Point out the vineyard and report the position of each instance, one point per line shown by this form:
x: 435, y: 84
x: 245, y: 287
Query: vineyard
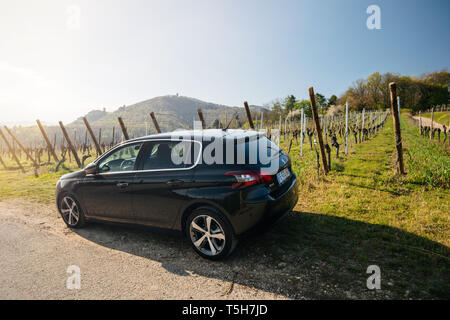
x: 358, y: 206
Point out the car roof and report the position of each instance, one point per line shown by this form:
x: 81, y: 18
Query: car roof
x: 201, y: 134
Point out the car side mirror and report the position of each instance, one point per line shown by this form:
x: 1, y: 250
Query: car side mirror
x: 91, y: 168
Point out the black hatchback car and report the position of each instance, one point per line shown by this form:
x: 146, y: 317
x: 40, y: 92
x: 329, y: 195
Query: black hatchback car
x: 213, y: 185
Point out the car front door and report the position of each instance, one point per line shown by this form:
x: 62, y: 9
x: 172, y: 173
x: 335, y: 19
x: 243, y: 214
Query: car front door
x: 161, y: 183
x: 108, y: 194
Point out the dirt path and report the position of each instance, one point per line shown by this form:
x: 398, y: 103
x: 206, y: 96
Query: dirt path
x: 120, y: 262
x: 115, y: 262
x: 427, y: 122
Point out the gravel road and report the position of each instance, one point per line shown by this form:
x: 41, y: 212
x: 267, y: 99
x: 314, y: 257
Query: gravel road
x: 116, y: 262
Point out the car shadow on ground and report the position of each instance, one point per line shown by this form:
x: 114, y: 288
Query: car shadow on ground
x: 304, y: 255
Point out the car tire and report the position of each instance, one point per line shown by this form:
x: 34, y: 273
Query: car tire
x: 210, y: 233
x: 71, y: 211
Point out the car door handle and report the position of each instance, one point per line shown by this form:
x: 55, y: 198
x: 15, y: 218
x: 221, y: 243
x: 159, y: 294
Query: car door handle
x: 122, y: 185
x: 175, y: 182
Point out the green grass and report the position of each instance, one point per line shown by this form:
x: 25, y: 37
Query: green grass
x: 368, y: 189
x: 428, y: 161
x: 15, y: 184
x: 362, y: 214
x: 364, y: 185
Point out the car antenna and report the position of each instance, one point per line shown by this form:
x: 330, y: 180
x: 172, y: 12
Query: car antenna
x: 235, y: 116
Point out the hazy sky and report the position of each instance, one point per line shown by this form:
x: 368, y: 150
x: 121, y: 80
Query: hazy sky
x: 54, y: 66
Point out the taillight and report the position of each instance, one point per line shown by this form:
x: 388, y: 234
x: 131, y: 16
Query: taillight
x: 265, y: 177
x: 246, y: 179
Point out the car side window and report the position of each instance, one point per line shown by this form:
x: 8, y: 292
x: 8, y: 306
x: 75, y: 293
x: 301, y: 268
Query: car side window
x: 122, y: 159
x: 168, y: 155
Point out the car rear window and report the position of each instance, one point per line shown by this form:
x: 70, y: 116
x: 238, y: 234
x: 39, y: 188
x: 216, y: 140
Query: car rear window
x: 257, y: 150
x: 168, y: 155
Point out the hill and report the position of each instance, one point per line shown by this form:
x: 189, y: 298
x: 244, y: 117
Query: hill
x: 171, y: 111
x: 91, y: 116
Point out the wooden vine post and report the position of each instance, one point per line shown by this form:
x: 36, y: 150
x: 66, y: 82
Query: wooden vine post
x: 397, y: 131
x: 200, y: 116
x: 155, y: 123
x: 49, y: 145
x: 21, y: 147
x: 11, y: 150
x: 123, y: 128
x: 69, y: 143
x: 249, y: 115
x: 318, y: 129
x: 91, y: 133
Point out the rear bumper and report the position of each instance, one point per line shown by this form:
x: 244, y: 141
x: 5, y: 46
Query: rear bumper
x: 285, y: 203
x: 267, y: 209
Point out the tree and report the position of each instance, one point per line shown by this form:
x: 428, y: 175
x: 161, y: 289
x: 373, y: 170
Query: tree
x: 289, y: 103
x: 332, y: 100
x: 441, y: 77
x: 320, y: 99
x: 306, y: 105
x: 321, y: 102
x: 374, y: 90
x: 276, y: 111
x: 415, y: 93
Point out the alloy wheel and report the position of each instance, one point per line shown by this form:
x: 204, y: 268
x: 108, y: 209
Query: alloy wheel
x: 207, y: 235
x: 70, y: 211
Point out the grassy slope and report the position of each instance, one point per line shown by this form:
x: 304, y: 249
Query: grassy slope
x: 14, y: 183
x: 360, y: 214
x: 365, y: 186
